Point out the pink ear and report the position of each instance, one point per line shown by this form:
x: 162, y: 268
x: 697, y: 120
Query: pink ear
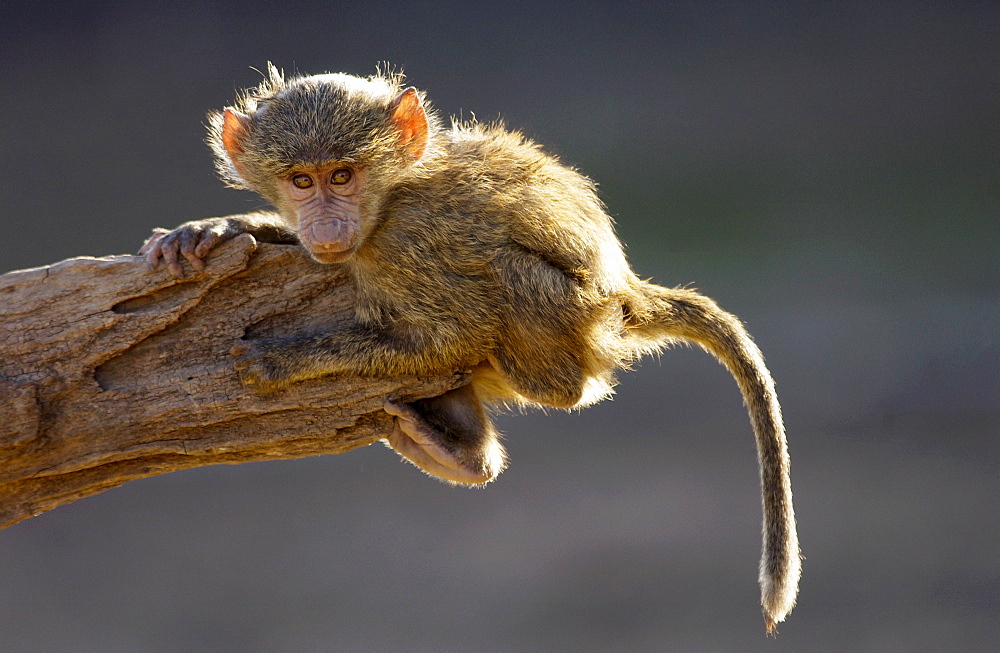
x: 409, y: 118
x: 234, y: 128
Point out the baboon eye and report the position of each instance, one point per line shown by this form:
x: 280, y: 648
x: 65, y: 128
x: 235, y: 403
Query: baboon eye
x: 302, y: 181
x: 341, y: 176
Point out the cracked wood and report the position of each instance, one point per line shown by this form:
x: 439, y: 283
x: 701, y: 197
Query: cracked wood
x: 109, y: 372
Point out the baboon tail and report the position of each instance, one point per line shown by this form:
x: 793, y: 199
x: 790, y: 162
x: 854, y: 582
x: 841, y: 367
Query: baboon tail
x: 659, y: 316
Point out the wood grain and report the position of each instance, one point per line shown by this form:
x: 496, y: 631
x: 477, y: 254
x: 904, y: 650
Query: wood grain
x: 110, y: 372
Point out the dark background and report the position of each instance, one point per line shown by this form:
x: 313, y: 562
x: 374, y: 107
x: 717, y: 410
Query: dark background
x: 828, y: 172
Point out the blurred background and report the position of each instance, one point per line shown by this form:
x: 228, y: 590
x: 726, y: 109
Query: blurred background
x: 830, y: 172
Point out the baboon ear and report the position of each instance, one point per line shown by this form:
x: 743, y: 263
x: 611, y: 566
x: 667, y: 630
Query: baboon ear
x: 235, y: 126
x: 409, y: 118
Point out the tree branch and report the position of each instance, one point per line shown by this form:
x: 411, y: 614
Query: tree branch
x: 109, y: 372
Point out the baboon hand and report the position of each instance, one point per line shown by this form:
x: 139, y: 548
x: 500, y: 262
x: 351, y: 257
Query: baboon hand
x: 192, y: 241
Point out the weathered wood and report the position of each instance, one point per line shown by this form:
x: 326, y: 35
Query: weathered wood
x: 109, y: 372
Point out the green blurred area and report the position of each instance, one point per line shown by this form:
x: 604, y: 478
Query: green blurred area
x: 928, y: 211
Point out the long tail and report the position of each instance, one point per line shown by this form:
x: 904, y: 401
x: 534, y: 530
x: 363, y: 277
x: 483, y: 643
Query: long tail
x: 661, y: 315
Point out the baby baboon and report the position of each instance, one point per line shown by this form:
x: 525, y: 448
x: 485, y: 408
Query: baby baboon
x: 470, y: 249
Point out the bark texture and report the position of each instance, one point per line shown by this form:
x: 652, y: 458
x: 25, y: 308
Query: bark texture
x: 109, y: 372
